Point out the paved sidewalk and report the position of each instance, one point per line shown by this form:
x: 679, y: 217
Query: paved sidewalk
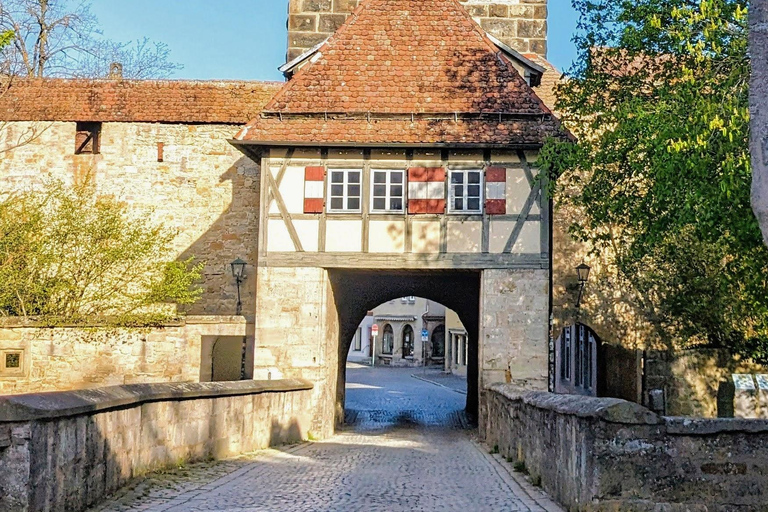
x: 407, y: 450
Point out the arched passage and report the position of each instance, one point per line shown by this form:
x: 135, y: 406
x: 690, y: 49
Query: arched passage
x: 358, y: 291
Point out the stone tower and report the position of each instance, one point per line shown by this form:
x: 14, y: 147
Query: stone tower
x: 522, y: 24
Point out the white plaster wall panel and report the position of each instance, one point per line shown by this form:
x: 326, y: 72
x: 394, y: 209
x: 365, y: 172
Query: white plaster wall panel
x: 507, y: 157
x: 532, y: 156
x: 465, y: 236
x: 466, y: 156
x: 278, y: 237
x: 427, y: 158
x: 343, y: 235
x: 298, y: 154
x: 500, y: 232
x: 387, y: 155
x: 386, y: 236
x: 518, y: 189
x: 343, y: 154
x: 308, y: 231
x: 426, y: 236
x: 528, y: 242
x: 292, y: 189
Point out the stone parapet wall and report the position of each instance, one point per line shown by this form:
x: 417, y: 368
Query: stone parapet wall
x: 67, y: 358
x: 522, y: 24
x: 605, y: 454
x: 69, y: 450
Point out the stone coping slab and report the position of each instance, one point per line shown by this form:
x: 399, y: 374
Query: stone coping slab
x: 615, y: 410
x: 96, y: 323
x: 62, y: 404
x: 709, y: 426
x: 612, y: 410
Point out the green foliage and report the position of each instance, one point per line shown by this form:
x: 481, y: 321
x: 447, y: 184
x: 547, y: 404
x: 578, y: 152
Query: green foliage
x: 661, y: 171
x: 6, y: 38
x: 70, y: 255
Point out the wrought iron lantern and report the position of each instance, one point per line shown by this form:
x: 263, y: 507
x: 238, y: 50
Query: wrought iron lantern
x: 238, y: 272
x: 582, y: 271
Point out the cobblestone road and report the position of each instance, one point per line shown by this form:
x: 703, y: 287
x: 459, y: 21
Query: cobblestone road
x: 407, y: 449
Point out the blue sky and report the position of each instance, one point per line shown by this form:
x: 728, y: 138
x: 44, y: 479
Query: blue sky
x: 246, y: 39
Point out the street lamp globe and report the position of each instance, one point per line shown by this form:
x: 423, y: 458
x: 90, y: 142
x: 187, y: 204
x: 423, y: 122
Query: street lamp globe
x: 238, y: 269
x: 583, y: 272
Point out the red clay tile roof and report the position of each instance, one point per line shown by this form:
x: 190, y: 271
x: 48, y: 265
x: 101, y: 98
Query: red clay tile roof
x: 402, y: 57
x: 466, y: 131
x: 161, y: 101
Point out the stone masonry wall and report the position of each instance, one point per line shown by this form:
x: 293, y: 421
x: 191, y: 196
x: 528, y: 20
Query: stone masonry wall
x: 514, y: 327
x: 68, y: 451
x: 522, y: 24
x: 62, y: 358
x: 605, y: 454
x: 298, y: 335
x: 204, y: 189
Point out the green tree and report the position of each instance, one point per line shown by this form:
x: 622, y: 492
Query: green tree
x: 659, y: 102
x: 69, y: 254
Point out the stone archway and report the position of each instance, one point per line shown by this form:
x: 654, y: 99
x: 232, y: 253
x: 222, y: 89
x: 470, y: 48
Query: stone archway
x: 356, y: 292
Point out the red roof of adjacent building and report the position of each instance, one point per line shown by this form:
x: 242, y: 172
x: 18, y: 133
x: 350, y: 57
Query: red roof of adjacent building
x: 151, y: 101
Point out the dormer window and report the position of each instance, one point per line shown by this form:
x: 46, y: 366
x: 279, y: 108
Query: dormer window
x: 88, y: 139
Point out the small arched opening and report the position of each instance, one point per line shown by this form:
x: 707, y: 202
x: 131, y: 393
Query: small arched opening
x: 408, y: 341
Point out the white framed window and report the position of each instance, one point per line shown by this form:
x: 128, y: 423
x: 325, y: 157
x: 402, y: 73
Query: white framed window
x: 387, y: 191
x: 466, y: 191
x: 344, y: 190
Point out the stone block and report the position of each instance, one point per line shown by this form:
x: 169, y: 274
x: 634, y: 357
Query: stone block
x: 538, y: 46
x: 477, y: 11
x: 317, y: 5
x: 498, y: 10
x: 535, y: 29
x: 302, y: 22
x: 344, y: 5
x: 331, y: 22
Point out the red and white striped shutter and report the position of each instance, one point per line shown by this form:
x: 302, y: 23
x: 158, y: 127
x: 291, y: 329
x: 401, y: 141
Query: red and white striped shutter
x: 314, y: 197
x: 496, y: 191
x: 426, y: 190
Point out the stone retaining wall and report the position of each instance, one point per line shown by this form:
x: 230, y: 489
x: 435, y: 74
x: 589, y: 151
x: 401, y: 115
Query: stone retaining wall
x: 605, y: 454
x: 67, y: 358
x: 68, y: 450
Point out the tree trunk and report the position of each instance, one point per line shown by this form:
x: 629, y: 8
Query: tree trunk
x: 758, y: 101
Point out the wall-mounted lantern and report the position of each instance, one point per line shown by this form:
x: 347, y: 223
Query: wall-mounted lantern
x: 582, y: 271
x: 238, y: 272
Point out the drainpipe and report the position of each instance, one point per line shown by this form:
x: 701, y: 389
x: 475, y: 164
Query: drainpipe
x: 551, y: 342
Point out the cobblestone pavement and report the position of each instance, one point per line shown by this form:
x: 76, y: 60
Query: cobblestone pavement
x: 439, y: 377
x: 407, y: 448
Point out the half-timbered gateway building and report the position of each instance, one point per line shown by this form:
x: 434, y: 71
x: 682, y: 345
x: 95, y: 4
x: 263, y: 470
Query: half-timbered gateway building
x: 402, y: 150
x: 398, y: 159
